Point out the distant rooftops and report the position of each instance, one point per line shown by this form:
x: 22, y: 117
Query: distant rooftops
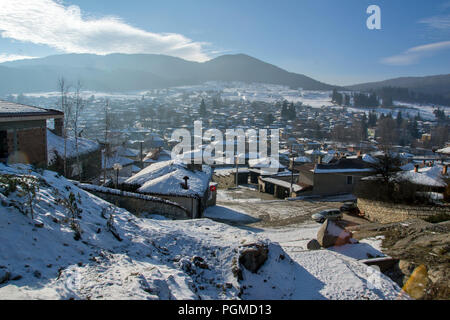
x: 10, y: 111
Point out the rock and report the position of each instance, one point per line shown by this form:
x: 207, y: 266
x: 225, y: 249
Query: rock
x: 331, y: 234
x: 200, y: 262
x: 406, y: 267
x: 186, y: 266
x: 254, y: 256
x: 417, y: 283
x: 313, y: 245
x: 237, y: 272
x: 5, y: 275
x: 16, y: 277
x: 39, y: 224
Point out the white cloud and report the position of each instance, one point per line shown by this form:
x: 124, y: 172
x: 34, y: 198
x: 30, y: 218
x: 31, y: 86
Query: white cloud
x: 413, y: 55
x: 437, y: 22
x: 13, y: 57
x: 65, y: 28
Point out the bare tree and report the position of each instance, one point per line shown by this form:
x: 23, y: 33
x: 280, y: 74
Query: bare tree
x: 66, y: 108
x: 386, y: 132
x: 106, y: 150
x: 78, y: 106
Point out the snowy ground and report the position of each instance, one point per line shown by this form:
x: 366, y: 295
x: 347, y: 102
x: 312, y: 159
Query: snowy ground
x: 40, y: 258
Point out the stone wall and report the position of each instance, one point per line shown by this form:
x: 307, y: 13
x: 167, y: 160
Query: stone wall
x: 138, y: 204
x: 389, y: 212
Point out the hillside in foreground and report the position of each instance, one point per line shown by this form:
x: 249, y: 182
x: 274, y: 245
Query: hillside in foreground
x: 79, y: 246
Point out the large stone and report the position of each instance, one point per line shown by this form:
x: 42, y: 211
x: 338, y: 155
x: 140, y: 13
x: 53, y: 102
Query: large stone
x: 313, y: 245
x: 253, y: 256
x: 5, y: 275
x: 331, y: 234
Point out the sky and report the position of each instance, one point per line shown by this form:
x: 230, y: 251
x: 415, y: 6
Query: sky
x: 327, y: 40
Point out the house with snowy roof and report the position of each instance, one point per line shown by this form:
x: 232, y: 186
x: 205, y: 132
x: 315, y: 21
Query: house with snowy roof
x: 336, y: 177
x: 432, y: 180
x: 23, y: 132
x: 86, y: 151
x: 118, y: 167
x: 188, y: 185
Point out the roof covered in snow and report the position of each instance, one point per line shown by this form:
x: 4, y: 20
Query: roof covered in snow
x: 444, y: 150
x: 115, y: 158
x: 267, y: 162
x: 55, y: 145
x: 127, y: 152
x: 428, y: 176
x: 344, y: 166
x: 302, y: 159
x: 167, y: 177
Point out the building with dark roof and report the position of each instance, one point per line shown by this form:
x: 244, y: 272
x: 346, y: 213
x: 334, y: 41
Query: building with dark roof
x: 338, y: 177
x: 23, y: 132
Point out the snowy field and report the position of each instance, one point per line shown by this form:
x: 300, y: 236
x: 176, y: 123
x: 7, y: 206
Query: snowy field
x: 241, y: 91
x: 78, y: 246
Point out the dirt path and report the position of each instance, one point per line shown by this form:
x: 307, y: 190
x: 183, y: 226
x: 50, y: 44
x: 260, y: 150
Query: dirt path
x: 272, y: 212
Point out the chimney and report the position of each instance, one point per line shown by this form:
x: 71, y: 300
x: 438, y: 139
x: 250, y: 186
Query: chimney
x: 444, y: 170
x: 416, y: 168
x: 185, y: 184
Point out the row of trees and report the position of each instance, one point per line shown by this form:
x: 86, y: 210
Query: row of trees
x: 288, y: 111
x: 385, y: 97
x: 359, y: 100
x: 72, y: 105
x: 406, y: 95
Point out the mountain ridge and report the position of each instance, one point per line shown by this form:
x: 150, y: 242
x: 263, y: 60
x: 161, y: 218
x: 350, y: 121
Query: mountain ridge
x: 434, y: 84
x: 124, y: 72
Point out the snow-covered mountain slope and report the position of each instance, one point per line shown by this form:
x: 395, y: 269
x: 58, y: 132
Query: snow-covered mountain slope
x: 78, y: 246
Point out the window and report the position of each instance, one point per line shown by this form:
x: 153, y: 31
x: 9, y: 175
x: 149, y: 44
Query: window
x: 349, y: 179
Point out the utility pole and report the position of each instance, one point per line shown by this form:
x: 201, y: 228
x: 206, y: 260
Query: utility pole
x: 141, y: 155
x: 237, y: 171
x: 291, y: 155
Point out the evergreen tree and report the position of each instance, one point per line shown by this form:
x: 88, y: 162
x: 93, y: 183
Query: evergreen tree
x: 284, y: 110
x: 269, y: 119
x: 399, y: 119
x: 372, y: 121
x: 202, y: 110
x: 292, y: 113
x: 347, y: 100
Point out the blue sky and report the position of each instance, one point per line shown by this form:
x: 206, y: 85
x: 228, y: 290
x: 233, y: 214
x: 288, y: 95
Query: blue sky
x: 327, y: 39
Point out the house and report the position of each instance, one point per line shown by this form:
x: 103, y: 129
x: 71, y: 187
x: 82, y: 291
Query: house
x: 89, y: 156
x: 280, y: 186
x: 188, y: 185
x: 111, y: 162
x: 23, y: 133
x: 226, y: 177
x: 338, y: 177
x: 266, y: 166
x: 156, y: 155
x: 428, y: 179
